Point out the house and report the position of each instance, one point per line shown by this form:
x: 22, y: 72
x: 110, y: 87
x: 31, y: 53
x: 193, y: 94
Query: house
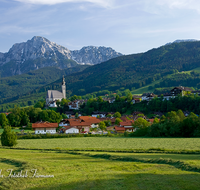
x: 69, y: 113
x: 166, y: 96
x: 54, y: 95
x: 112, y: 100
x: 44, y: 127
x: 75, y: 105
x: 145, y: 96
x: 128, y: 125
x: 110, y: 128
x: 71, y: 130
x: 196, y: 92
x: 135, y: 100
x: 52, y: 104
x: 180, y: 90
x: 119, y: 129
x: 92, y: 120
x: 83, y: 123
x: 99, y: 113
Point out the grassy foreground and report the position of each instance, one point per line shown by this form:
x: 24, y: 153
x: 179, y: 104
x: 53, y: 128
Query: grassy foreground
x: 91, y: 173
x: 112, y: 143
x: 93, y: 170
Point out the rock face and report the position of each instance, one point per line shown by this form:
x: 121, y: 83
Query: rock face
x: 94, y: 55
x: 39, y: 52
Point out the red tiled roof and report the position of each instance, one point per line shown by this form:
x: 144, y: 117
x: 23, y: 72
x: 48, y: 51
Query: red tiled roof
x: 119, y: 128
x: 44, y: 125
x: 127, y: 123
x: 69, y: 127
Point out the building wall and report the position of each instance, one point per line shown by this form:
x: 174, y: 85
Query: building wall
x: 72, y: 130
x: 42, y: 130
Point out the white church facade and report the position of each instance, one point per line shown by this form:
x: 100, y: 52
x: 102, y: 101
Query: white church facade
x: 54, y: 95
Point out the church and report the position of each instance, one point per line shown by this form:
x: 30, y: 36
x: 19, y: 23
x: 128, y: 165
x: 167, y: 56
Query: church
x: 54, y: 95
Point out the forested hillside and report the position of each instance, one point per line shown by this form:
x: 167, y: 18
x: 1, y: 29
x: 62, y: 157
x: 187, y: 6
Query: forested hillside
x: 134, y: 71
x: 21, y: 84
x: 137, y: 70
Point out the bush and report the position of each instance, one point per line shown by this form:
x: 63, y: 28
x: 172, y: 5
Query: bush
x: 8, y: 138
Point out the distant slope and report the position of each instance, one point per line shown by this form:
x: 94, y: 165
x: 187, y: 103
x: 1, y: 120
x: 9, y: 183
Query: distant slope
x: 17, y: 85
x: 132, y: 71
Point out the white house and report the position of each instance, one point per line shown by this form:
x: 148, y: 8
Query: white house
x: 71, y: 130
x: 98, y: 113
x: 148, y: 96
x: 167, y: 96
x: 74, y: 105
x: 45, y: 127
x: 52, y: 104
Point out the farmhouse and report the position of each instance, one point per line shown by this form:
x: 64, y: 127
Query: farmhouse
x: 44, y: 127
x: 83, y: 123
x: 71, y: 130
x: 180, y: 90
x: 75, y: 105
x: 127, y: 125
x: 99, y: 113
x: 119, y: 129
x: 148, y: 96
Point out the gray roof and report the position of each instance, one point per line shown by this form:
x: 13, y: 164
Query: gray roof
x: 54, y: 94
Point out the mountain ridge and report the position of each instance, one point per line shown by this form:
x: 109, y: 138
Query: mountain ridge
x: 40, y: 52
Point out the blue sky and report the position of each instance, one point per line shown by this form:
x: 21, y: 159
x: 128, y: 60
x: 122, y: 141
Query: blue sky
x: 128, y: 26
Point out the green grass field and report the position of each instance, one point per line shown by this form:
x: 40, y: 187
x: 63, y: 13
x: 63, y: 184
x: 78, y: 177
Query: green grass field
x: 18, y: 131
x: 93, y: 170
x: 112, y: 143
x: 85, y: 172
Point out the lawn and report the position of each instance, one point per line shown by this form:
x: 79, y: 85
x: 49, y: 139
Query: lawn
x: 111, y: 143
x: 88, y: 173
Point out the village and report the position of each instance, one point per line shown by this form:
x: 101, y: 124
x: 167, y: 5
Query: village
x: 101, y: 122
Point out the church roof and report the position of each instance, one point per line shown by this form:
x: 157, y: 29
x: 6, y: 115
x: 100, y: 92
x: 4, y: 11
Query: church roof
x: 54, y: 94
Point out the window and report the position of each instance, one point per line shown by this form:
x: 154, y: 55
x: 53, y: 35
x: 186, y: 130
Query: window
x: 44, y: 129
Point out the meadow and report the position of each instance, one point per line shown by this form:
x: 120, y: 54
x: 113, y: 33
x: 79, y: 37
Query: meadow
x: 110, y: 143
x: 96, y: 170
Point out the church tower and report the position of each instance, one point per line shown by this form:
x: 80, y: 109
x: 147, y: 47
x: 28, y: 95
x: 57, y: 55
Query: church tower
x: 64, y: 88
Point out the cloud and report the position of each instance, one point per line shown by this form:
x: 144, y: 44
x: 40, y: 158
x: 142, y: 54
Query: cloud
x: 102, y: 3
x: 180, y: 4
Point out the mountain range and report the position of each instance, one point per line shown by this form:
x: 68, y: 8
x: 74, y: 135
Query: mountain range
x: 117, y: 74
x: 39, y: 52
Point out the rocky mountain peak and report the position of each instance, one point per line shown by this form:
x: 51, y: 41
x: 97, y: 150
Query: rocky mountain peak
x: 40, y: 52
x: 94, y: 55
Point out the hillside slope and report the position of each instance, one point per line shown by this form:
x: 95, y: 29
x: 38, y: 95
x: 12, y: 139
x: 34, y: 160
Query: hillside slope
x: 131, y: 71
x: 17, y: 85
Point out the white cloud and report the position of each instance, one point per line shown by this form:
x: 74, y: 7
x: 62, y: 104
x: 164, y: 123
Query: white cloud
x: 102, y: 3
x: 180, y: 4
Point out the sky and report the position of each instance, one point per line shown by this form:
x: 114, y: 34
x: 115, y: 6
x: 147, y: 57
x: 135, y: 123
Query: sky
x: 128, y: 26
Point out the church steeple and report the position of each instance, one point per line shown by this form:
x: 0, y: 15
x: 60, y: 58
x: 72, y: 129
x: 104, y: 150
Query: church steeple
x: 64, y: 88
